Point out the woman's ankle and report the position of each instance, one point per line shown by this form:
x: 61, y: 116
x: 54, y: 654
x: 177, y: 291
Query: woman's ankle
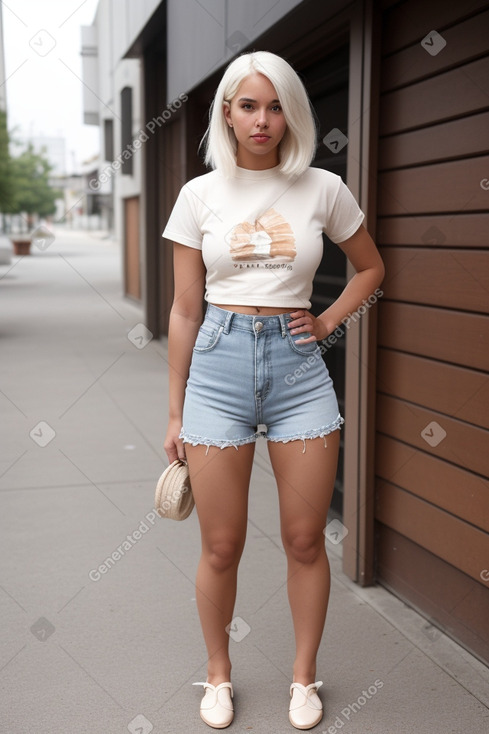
x: 304, y: 675
x: 219, y: 675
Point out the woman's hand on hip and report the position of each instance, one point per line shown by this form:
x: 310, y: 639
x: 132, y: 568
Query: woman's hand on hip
x: 304, y: 321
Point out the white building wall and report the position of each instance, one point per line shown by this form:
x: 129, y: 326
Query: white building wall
x: 3, y: 98
x: 127, y: 74
x: 90, y: 71
x: 109, y: 36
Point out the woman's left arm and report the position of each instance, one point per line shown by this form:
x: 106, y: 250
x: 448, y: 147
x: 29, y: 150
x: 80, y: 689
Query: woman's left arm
x: 362, y: 253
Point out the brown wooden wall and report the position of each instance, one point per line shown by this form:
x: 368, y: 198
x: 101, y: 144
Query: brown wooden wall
x: 432, y: 459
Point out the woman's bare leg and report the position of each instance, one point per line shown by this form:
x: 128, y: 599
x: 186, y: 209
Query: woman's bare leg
x: 305, y: 483
x: 220, y: 480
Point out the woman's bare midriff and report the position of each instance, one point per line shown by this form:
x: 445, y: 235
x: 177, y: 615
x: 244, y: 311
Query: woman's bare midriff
x: 254, y: 310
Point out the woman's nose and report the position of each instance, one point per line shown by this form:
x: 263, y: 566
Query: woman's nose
x: 261, y: 119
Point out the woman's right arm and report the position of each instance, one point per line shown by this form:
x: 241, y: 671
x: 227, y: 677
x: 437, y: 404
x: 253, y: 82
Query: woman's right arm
x: 185, y: 319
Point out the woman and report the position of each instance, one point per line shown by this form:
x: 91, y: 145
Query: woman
x: 249, y: 235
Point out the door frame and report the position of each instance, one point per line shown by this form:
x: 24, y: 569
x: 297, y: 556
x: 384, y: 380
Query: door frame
x: 361, y: 344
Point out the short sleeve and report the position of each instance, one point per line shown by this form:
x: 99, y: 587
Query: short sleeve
x: 183, y: 226
x: 345, y: 216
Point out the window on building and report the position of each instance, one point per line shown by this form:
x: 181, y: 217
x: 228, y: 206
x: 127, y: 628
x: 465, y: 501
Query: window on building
x: 109, y: 140
x: 126, y: 129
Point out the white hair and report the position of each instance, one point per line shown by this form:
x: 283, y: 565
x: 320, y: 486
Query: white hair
x: 298, y: 145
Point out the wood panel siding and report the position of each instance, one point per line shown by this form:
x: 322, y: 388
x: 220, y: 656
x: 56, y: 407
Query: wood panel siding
x: 444, y: 387
x: 465, y: 42
x: 456, y: 93
x: 453, y: 440
x: 445, y: 187
x: 449, y: 336
x: 441, y: 277
x: 408, y: 22
x: 464, y: 230
x: 446, y: 536
x: 448, y: 597
x: 432, y: 458
x: 456, y: 139
x: 459, y: 492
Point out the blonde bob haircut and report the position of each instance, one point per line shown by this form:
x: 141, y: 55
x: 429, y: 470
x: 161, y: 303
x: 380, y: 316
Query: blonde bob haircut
x: 298, y: 145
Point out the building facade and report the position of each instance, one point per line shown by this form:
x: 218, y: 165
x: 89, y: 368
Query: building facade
x: 401, y: 91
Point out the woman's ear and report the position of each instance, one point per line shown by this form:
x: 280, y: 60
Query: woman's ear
x: 226, y: 108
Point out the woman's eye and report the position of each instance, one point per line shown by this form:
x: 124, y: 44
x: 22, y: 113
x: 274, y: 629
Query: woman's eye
x: 247, y: 106
x: 277, y: 108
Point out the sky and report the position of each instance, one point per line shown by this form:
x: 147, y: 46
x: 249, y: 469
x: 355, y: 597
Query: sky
x: 42, y: 41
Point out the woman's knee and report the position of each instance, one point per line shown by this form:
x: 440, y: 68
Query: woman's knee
x: 304, y: 546
x: 224, y: 553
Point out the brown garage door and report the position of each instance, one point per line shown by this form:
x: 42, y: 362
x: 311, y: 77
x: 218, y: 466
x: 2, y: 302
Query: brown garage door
x: 432, y: 462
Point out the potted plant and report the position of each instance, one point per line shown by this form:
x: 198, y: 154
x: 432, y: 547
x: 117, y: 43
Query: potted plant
x: 21, y: 244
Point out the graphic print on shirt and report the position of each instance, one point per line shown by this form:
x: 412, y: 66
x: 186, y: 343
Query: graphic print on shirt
x: 269, y: 237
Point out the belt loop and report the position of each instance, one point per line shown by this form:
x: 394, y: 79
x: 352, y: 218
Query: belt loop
x: 283, y: 324
x: 228, y: 321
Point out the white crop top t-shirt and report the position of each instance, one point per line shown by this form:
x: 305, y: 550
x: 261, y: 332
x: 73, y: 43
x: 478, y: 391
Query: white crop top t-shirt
x: 260, y: 232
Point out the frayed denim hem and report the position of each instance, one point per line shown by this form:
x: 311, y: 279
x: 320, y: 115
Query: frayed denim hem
x: 318, y: 433
x: 201, y: 441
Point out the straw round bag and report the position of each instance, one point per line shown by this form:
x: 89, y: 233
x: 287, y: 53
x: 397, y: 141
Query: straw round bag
x: 173, y: 496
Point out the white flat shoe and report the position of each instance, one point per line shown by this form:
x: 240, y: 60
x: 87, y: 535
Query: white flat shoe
x: 216, y: 708
x: 306, y: 709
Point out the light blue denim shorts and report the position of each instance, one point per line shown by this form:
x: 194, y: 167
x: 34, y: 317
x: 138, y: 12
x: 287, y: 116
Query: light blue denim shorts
x: 248, y: 378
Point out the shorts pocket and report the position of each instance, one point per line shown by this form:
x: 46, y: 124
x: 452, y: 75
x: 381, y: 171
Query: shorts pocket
x: 207, y: 337
x: 303, y: 349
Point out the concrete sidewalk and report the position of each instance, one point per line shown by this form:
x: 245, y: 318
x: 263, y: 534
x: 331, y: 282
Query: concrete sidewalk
x: 83, y: 398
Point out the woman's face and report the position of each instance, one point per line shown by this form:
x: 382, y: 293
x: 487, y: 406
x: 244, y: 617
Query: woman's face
x: 256, y: 116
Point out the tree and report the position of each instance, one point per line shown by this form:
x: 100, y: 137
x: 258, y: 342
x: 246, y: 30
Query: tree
x: 32, y: 192
x: 6, y: 189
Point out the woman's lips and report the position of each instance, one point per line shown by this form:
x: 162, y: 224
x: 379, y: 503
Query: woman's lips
x: 261, y: 138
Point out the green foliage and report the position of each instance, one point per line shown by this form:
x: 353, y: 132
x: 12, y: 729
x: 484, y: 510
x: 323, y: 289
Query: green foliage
x: 24, y: 180
x: 32, y: 191
x: 5, y: 166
